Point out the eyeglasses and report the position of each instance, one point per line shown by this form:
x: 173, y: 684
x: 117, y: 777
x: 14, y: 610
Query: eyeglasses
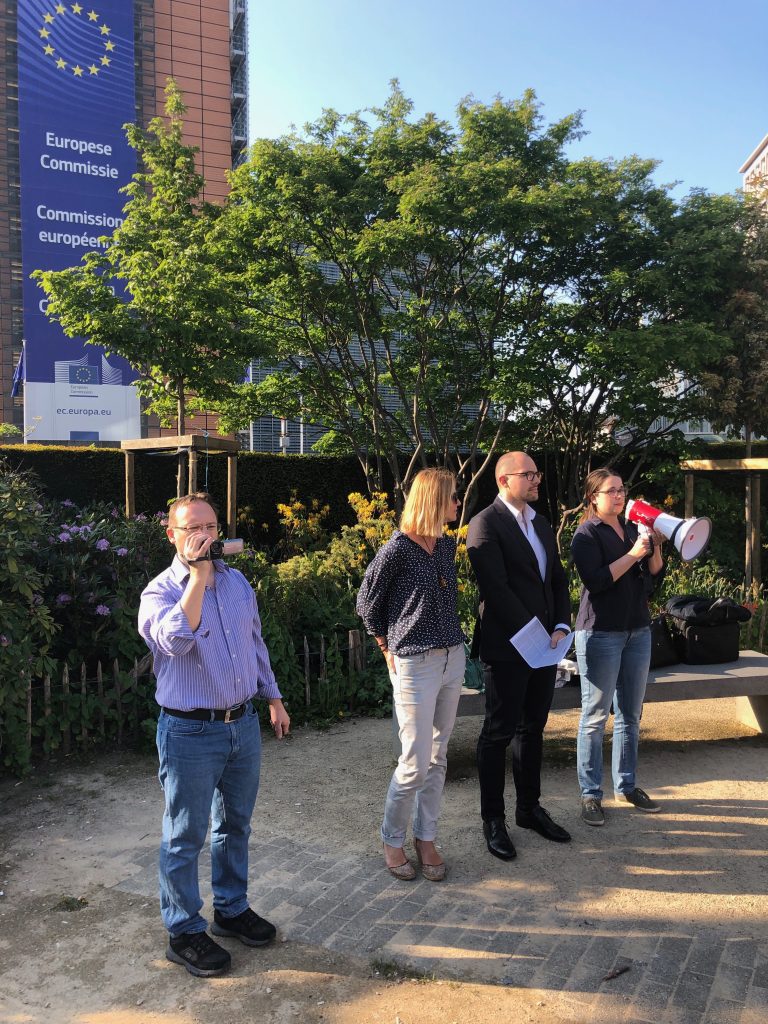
x: 197, y: 529
x: 530, y: 476
x: 615, y: 492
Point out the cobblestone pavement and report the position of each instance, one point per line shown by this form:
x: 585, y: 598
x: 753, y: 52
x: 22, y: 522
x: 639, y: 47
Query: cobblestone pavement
x: 483, y: 927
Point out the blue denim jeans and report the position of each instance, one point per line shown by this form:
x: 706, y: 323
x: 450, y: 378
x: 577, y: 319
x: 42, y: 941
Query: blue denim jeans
x: 206, y: 769
x: 614, y: 668
x: 426, y: 693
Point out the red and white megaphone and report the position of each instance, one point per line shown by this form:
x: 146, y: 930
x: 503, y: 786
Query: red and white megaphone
x: 690, y: 536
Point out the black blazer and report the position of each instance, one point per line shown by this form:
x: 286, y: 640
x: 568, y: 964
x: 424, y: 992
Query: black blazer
x: 511, y: 588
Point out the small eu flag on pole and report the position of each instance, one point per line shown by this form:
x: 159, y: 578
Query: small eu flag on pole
x: 18, y: 374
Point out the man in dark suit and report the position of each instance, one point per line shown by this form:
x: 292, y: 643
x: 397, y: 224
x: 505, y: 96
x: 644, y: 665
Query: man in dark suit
x: 513, y: 552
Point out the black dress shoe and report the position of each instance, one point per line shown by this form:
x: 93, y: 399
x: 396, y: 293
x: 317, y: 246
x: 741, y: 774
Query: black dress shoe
x: 497, y: 839
x: 540, y: 822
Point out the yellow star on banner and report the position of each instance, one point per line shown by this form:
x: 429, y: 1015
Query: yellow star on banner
x: 61, y: 63
x: 48, y: 18
x: 109, y: 46
x: 77, y: 71
x: 106, y: 61
x: 93, y: 16
x: 104, y: 30
x: 44, y: 33
x: 48, y: 49
x: 93, y: 69
x: 61, y: 9
x: 77, y: 9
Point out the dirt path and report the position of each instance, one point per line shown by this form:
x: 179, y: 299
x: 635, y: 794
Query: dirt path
x: 679, y: 898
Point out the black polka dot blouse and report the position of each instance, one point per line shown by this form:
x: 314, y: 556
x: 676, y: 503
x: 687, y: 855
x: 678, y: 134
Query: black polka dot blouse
x: 409, y: 596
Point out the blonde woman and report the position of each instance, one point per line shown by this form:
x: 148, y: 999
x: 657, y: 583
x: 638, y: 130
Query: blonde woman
x: 408, y: 603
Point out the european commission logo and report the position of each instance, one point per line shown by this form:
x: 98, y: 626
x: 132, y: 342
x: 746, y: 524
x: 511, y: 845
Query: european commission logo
x: 80, y: 371
x: 77, y: 40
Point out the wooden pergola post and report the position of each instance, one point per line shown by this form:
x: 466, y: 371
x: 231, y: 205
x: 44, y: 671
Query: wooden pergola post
x: 231, y: 494
x: 689, y: 486
x: 192, y: 471
x: 751, y: 467
x: 130, y: 484
x: 189, y: 445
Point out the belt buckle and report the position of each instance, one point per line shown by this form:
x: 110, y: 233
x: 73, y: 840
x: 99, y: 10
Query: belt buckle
x: 227, y: 715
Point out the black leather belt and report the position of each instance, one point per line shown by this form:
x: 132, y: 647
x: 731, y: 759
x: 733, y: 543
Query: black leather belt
x: 206, y: 715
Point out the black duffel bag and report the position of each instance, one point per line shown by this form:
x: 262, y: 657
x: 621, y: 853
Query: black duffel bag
x: 706, y: 631
x: 706, y: 611
x: 663, y: 648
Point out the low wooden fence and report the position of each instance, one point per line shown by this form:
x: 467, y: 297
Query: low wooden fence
x: 76, y: 711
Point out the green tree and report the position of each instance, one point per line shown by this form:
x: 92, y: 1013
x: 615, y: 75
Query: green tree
x: 163, y: 293
x: 614, y: 364
x: 387, y: 258
x: 735, y: 384
x: 496, y: 291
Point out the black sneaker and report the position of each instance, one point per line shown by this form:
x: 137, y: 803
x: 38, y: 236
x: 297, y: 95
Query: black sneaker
x: 199, y: 954
x: 639, y: 799
x: 592, y: 811
x: 248, y: 927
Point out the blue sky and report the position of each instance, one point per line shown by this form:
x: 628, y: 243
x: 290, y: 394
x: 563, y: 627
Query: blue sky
x: 682, y: 81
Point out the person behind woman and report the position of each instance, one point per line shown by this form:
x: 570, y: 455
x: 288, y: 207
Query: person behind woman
x: 408, y: 603
x: 619, y: 568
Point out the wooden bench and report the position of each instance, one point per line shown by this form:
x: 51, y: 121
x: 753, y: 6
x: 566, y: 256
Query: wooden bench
x: 746, y: 679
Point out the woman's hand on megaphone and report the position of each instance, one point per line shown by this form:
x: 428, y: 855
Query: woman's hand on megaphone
x: 642, y: 547
x: 658, y: 538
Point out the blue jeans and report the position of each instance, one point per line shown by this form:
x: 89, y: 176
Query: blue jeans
x: 206, y: 768
x: 426, y: 693
x: 614, y: 668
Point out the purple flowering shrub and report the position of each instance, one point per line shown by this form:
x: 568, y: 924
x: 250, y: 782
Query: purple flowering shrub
x: 27, y: 626
x: 98, y: 564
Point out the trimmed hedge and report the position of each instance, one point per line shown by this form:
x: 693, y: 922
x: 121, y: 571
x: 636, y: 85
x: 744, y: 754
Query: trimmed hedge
x: 87, y: 475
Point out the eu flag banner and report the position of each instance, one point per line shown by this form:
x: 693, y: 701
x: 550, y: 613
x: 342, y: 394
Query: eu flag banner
x: 18, y: 374
x: 76, y: 91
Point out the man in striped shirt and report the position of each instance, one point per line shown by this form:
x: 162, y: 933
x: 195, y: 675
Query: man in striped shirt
x: 200, y: 620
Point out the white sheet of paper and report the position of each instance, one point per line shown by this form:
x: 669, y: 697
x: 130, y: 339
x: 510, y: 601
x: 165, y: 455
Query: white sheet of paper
x: 532, y: 644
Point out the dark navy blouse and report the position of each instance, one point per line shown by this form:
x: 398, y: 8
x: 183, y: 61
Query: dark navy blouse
x: 410, y: 597
x: 608, y: 604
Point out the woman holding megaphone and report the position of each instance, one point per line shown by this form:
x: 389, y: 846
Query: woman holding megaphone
x: 619, y: 564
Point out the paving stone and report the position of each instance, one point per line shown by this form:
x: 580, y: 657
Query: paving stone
x: 692, y: 993
x: 724, y: 1011
x: 410, y: 935
x: 651, y: 997
x: 518, y: 973
x: 760, y: 978
x: 674, y: 948
x: 705, y: 956
x: 549, y: 980
x: 538, y: 945
x: 377, y: 938
x: 503, y: 941
x: 732, y: 983
x: 664, y: 970
x: 585, y: 977
x: 360, y: 924
x: 603, y: 950
x: 742, y: 951
x: 757, y: 1002
x: 473, y: 939
x: 567, y: 953
x: 682, y: 1015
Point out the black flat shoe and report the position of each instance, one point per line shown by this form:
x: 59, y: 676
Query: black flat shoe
x: 497, y: 839
x: 540, y: 822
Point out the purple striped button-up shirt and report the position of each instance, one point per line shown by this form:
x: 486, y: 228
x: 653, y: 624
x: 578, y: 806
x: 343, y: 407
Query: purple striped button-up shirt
x: 220, y: 664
